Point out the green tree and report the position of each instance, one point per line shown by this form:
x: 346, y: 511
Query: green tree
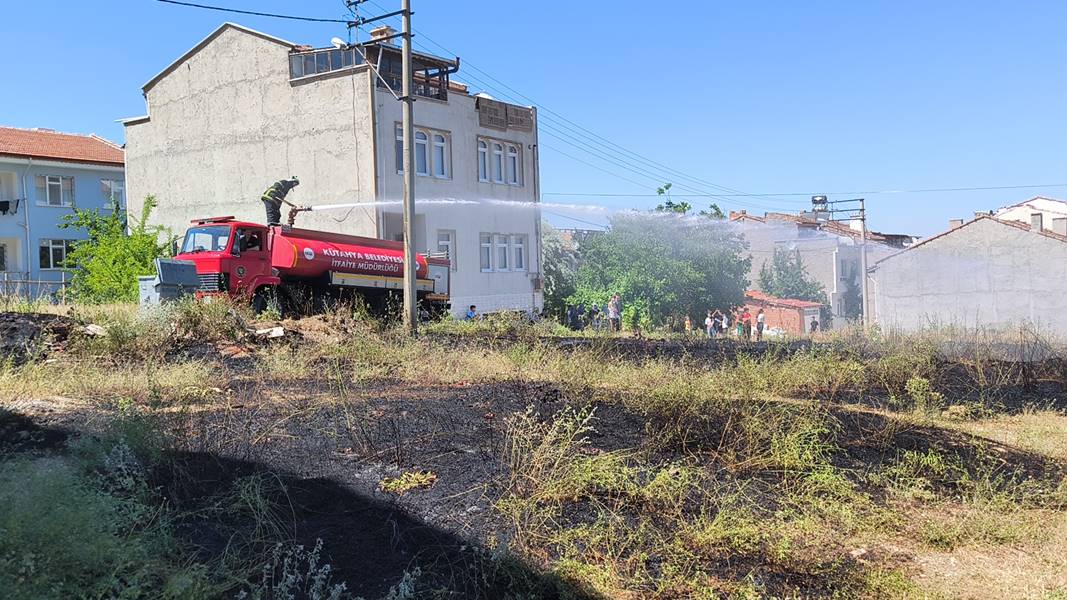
x: 559, y: 268
x: 786, y: 277
x: 663, y: 266
x: 106, y: 265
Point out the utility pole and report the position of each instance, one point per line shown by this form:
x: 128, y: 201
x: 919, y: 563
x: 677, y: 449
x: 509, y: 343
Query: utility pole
x: 863, y: 265
x: 411, y: 318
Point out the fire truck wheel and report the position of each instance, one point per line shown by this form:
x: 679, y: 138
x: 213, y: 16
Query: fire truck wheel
x: 261, y: 300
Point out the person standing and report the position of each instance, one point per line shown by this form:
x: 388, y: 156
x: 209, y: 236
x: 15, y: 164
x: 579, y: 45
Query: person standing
x: 615, y: 313
x: 572, y: 317
x: 688, y: 326
x: 275, y: 196
x: 746, y: 325
x: 709, y: 325
x: 761, y: 322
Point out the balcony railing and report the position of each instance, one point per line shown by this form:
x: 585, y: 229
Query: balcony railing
x: 426, y: 88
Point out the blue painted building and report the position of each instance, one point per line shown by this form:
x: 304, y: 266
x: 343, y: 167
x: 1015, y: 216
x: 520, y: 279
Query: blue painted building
x: 43, y: 176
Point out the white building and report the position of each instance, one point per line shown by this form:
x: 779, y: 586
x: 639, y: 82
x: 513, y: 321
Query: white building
x: 243, y: 109
x: 988, y: 273
x: 1039, y: 212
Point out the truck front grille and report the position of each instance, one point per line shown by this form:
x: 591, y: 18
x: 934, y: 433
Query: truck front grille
x: 212, y: 282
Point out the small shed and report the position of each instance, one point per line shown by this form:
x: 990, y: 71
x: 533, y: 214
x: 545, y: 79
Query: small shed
x: 793, y: 316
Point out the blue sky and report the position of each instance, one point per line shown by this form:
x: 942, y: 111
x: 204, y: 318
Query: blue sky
x: 774, y: 96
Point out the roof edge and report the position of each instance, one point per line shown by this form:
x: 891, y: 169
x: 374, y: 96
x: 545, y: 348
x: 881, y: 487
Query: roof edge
x: 207, y: 40
x: 978, y: 217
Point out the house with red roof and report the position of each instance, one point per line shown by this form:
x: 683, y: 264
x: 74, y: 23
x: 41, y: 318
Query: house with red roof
x: 792, y: 316
x: 44, y: 175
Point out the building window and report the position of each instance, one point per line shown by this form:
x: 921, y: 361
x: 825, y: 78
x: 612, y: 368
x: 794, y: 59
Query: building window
x: 55, y: 190
x: 486, y: 252
x: 446, y: 243
x: 501, y: 252
x: 518, y: 252
x: 322, y: 61
x: 440, y: 156
x: 422, y: 158
x: 498, y: 162
x: 514, y: 165
x: 435, y: 162
x: 114, y: 192
x: 483, y: 161
x: 3, y: 257
x: 54, y: 253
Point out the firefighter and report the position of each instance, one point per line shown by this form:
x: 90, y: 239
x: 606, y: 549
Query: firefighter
x: 274, y: 196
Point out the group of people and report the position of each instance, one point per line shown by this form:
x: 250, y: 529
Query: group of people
x: 579, y: 317
x: 747, y: 325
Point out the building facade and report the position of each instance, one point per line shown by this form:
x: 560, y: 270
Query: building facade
x: 243, y: 109
x: 794, y: 317
x: 44, y: 175
x: 829, y: 250
x: 988, y: 273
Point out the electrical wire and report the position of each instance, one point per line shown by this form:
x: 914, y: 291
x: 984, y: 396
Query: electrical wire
x: 254, y: 13
x: 561, y: 120
x: 852, y: 193
x: 556, y: 214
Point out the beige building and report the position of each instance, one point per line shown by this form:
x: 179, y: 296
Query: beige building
x: 829, y: 250
x: 243, y: 109
x: 1038, y: 212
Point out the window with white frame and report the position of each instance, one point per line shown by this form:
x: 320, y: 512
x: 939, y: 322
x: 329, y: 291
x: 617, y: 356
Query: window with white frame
x: 486, y: 252
x: 440, y: 156
x: 433, y: 152
x: 53, y: 253
x: 483, y: 161
x: 422, y: 158
x: 499, y: 162
x: 446, y: 242
x: 514, y: 165
x: 502, y: 252
x: 518, y: 253
x: 114, y: 192
x: 55, y: 190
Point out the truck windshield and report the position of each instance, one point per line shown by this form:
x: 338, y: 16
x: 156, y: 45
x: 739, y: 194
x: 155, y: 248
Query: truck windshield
x: 206, y: 239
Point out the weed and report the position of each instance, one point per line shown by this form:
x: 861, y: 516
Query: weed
x: 407, y: 482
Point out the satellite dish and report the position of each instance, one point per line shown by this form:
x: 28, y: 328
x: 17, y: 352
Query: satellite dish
x: 338, y: 42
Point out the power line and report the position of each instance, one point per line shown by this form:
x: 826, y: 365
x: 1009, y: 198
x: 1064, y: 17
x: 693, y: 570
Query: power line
x: 590, y: 134
x: 851, y: 193
x: 601, y: 225
x: 254, y: 13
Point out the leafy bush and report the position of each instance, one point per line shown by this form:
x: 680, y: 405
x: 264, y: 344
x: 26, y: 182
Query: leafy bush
x: 106, y: 265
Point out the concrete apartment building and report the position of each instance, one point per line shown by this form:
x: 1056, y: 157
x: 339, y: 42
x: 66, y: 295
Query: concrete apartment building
x: 243, y: 109
x: 44, y: 175
x: 988, y: 273
x: 830, y: 251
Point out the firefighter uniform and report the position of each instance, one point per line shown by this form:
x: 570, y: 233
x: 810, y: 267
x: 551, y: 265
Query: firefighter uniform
x: 273, y: 198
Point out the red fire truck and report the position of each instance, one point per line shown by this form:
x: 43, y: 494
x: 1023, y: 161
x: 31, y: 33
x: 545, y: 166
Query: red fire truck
x: 258, y: 262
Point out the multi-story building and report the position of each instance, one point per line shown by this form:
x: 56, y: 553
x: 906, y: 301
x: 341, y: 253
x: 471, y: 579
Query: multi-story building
x: 1038, y: 212
x: 829, y: 250
x: 44, y: 175
x: 242, y: 109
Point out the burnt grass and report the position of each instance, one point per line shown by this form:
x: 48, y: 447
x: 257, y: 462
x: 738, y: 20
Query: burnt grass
x: 329, y: 457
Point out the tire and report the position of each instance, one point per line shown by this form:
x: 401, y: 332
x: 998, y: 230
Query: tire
x: 261, y: 300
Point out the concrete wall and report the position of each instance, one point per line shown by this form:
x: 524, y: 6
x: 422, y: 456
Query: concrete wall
x: 18, y: 180
x: 227, y: 123
x: 986, y: 274
x: 517, y: 215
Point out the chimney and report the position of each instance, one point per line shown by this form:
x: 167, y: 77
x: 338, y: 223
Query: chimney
x: 954, y: 223
x: 1036, y: 221
x: 1059, y: 226
x: 381, y: 32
